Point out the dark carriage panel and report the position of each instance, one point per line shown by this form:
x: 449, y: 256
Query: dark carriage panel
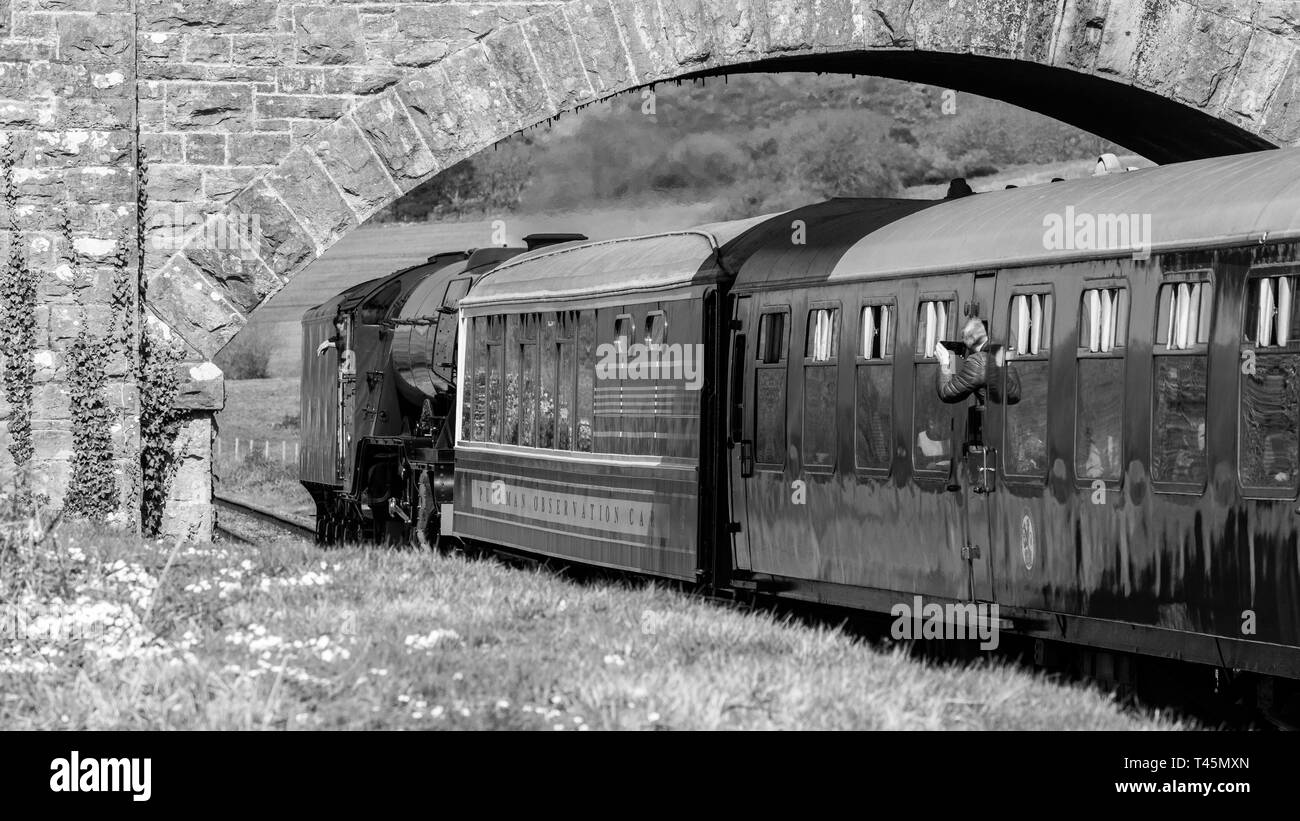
x: 613, y: 513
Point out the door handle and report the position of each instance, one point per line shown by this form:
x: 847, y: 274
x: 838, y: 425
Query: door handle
x: 746, y: 458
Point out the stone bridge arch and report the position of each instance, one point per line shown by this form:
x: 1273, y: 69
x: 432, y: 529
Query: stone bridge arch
x: 1173, y: 79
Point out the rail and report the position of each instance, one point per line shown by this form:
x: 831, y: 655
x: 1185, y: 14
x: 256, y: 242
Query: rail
x: 293, y: 525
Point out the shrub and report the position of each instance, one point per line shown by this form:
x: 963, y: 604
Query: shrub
x: 248, y: 356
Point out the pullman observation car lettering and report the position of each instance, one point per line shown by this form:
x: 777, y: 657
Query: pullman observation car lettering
x: 630, y: 518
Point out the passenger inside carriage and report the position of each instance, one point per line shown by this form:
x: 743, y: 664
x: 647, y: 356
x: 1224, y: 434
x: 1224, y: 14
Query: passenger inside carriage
x: 934, y: 444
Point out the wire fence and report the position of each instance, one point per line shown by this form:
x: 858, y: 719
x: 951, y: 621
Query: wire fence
x: 282, y: 450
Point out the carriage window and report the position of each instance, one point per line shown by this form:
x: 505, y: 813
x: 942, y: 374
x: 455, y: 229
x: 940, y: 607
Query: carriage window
x: 1269, y: 443
x: 873, y: 405
x: 771, y: 338
x: 1178, y: 446
x: 1029, y: 336
x: 876, y: 333
x: 770, y: 390
x: 548, y: 379
x: 528, y: 379
x: 823, y: 333
x: 934, y: 321
x: 623, y: 331
x: 821, y: 388
x: 1031, y: 324
x: 1103, y: 319
x: 586, y: 378
x: 1272, y: 314
x: 656, y: 328
x: 1099, y: 427
x: 1183, y: 320
x: 566, y: 379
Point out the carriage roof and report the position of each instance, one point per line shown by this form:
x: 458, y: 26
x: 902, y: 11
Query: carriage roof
x: 611, y: 266
x: 1213, y: 202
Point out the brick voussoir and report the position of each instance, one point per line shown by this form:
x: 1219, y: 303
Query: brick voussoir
x: 192, y: 306
x: 304, y: 185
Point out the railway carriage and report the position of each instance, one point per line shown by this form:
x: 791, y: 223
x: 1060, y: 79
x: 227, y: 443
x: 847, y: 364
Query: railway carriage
x: 585, y: 394
x: 1141, y: 493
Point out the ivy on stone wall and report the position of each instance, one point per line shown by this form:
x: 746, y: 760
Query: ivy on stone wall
x: 17, y: 328
x: 160, y: 423
x: 93, y: 490
x: 156, y: 379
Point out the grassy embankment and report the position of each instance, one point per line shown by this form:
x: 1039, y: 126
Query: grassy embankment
x: 105, y: 631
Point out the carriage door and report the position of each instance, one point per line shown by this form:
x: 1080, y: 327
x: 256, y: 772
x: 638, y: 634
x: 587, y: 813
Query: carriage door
x: 977, y: 474
x: 740, y: 432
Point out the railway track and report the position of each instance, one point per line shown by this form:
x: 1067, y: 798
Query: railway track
x: 292, y: 525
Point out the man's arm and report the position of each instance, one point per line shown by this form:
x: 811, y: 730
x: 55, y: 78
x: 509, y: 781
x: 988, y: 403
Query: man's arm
x: 954, y: 387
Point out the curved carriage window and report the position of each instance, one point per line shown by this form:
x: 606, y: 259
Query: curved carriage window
x: 586, y: 355
x: 623, y: 331
x: 656, y: 328
x: 1099, y: 428
x: 1029, y: 336
x: 873, y: 405
x: 1178, y: 425
x: 821, y: 388
x: 770, y: 389
x: 1269, y: 442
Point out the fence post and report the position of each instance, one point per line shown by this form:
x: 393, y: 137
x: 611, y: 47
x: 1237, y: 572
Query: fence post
x: 266, y: 448
x: 284, y: 451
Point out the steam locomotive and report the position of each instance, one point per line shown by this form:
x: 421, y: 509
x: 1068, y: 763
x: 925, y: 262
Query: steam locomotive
x: 751, y: 406
x: 378, y: 387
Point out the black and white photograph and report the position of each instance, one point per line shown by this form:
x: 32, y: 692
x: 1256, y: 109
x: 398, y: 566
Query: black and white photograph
x: 591, y: 366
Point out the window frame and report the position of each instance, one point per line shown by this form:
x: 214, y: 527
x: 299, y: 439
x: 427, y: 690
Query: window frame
x: 1044, y: 355
x: 784, y: 346
x: 888, y: 359
x: 837, y: 330
x: 782, y: 362
x: 1119, y: 351
x: 836, y: 308
x: 1201, y: 275
x: 1256, y: 273
x: 648, y: 325
x: 922, y: 475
